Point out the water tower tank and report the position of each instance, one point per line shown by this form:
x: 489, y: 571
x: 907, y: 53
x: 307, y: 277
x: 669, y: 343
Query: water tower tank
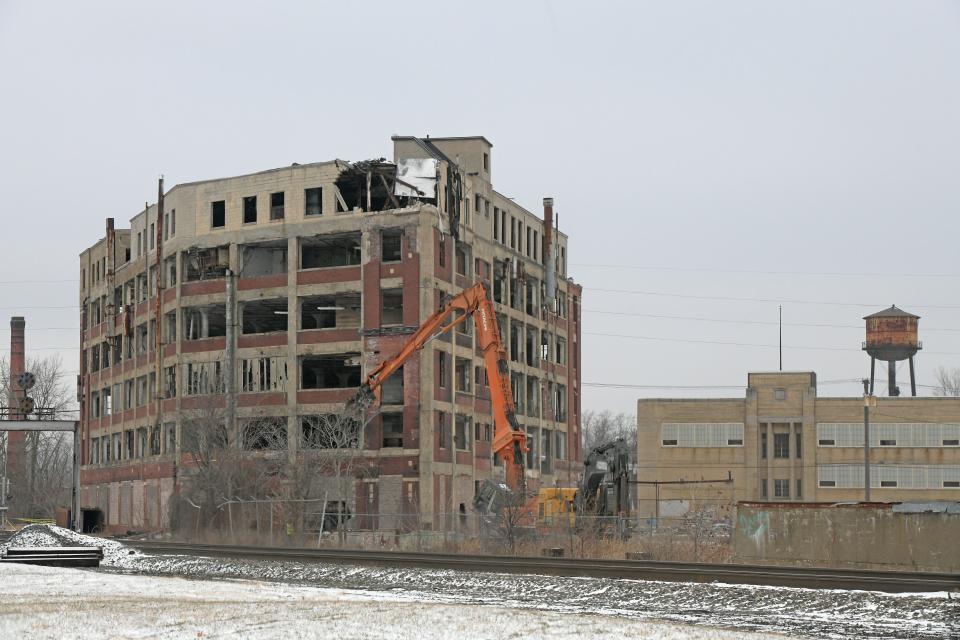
x: 892, y: 337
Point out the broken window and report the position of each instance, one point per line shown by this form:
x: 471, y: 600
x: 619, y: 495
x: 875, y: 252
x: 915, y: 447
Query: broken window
x: 202, y: 378
x: 94, y: 451
x: 141, y: 391
x: 442, y: 367
x: 392, y: 429
x: 155, y: 441
x: 390, y: 240
x: 276, y: 206
x: 560, y: 403
x: 264, y: 316
x: 462, y: 261
x: 340, y: 310
x: 128, y: 444
x: 266, y: 433
x: 463, y: 375
x: 533, y: 396
x: 330, y: 431
x: 462, y: 430
x: 443, y: 430
x: 264, y: 259
x: 530, y: 347
x: 128, y: 395
x: 545, y: 346
x: 170, y: 382
x: 94, y: 404
x: 339, y: 250
x: 340, y: 371
x: 517, y: 386
x: 171, y: 439
x: 206, y: 264
x: 263, y: 374
x: 249, y: 209
x: 142, y: 341
x: 391, y: 307
x: 208, y: 321
x: 107, y: 398
x: 516, y: 341
x: 170, y: 327
x: 391, y: 391
x: 546, y: 441
x: 561, y: 350
x: 532, y: 287
x: 170, y: 271
x: 95, y: 358
x: 218, y: 214
x: 314, y: 201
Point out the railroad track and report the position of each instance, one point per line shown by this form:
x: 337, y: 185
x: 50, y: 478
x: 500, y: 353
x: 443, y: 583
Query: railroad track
x: 890, y: 581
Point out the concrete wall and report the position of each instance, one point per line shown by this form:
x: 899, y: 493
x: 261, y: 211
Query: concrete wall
x: 853, y: 536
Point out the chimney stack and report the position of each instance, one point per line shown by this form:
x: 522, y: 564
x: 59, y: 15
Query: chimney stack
x: 16, y: 440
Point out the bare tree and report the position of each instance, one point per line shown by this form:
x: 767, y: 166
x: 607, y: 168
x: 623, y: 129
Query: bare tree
x: 601, y: 427
x: 42, y: 482
x: 330, y: 463
x: 948, y: 382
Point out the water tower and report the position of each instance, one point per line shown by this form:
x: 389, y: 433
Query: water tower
x: 892, y: 337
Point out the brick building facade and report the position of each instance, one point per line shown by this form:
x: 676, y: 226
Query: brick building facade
x: 335, y: 264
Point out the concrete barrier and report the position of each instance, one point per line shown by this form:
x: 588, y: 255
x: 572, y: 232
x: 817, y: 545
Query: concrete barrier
x: 849, y: 535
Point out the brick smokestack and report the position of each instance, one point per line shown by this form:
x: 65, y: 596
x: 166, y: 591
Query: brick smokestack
x: 18, y: 364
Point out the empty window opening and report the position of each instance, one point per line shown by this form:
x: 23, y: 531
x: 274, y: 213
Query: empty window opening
x: 276, y: 205
x: 462, y: 261
x: 779, y: 394
x: 314, y: 201
x: 463, y: 427
x: 391, y: 241
x: 888, y: 483
x: 443, y: 366
x: 533, y: 396
x: 391, y: 391
x: 202, y: 378
x: 341, y: 310
x: 206, y: 264
x: 888, y: 443
x: 463, y: 373
x: 249, y: 209
x: 204, y: 322
x: 341, y: 371
x: 268, y: 433
x: 531, y: 347
x: 218, y: 214
x: 259, y: 375
x: 330, y: 251
x: 330, y: 431
x: 393, y: 429
x: 391, y: 307
x: 264, y: 316
x: 263, y: 259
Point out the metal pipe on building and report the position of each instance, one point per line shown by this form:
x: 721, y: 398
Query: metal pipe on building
x: 548, y: 260
x: 866, y: 441
x: 230, y: 375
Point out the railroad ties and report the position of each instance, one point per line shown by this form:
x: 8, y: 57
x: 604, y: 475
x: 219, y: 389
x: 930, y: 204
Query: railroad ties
x: 55, y: 556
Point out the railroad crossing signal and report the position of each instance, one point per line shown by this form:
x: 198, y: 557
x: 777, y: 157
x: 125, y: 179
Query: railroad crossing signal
x: 26, y: 380
x: 27, y: 405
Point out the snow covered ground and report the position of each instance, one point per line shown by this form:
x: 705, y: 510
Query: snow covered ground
x: 552, y: 606
x: 50, y: 602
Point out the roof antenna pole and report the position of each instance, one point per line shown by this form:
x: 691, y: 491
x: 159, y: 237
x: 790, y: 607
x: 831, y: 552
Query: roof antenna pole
x: 780, y: 308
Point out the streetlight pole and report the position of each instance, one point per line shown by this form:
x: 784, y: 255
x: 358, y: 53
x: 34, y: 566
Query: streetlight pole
x: 866, y: 440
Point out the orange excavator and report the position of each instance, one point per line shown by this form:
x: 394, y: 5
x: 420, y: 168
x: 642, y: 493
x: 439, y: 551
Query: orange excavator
x: 509, y: 441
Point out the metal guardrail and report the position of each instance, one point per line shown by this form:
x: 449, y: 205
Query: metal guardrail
x: 815, y: 578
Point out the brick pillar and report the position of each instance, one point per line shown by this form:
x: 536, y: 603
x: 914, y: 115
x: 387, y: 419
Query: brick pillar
x: 18, y: 364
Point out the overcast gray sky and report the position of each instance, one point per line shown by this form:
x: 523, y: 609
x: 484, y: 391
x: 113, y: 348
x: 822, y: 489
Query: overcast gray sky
x: 719, y: 149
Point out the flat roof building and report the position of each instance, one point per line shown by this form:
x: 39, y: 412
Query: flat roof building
x: 335, y: 264
x: 781, y: 442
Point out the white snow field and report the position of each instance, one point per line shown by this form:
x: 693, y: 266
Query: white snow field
x: 51, y: 602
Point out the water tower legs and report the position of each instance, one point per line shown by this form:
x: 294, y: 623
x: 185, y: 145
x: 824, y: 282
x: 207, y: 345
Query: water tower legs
x: 913, y: 380
x: 892, y: 390
x: 873, y: 368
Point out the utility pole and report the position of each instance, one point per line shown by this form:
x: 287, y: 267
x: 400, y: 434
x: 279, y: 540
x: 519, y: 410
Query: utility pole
x: 230, y: 376
x: 780, y: 309
x: 866, y: 439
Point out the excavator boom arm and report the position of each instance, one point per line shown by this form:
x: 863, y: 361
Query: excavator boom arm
x: 509, y: 442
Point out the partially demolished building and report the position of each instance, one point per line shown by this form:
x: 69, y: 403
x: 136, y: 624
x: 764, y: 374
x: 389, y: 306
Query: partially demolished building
x: 334, y: 264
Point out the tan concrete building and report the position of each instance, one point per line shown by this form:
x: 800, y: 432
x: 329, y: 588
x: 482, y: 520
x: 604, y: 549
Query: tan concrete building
x: 335, y: 264
x: 782, y: 442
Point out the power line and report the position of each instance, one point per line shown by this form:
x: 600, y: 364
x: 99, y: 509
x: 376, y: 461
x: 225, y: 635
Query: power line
x: 733, y: 321
x: 771, y: 300
x: 36, y: 281
x: 762, y: 272
x: 741, y: 344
